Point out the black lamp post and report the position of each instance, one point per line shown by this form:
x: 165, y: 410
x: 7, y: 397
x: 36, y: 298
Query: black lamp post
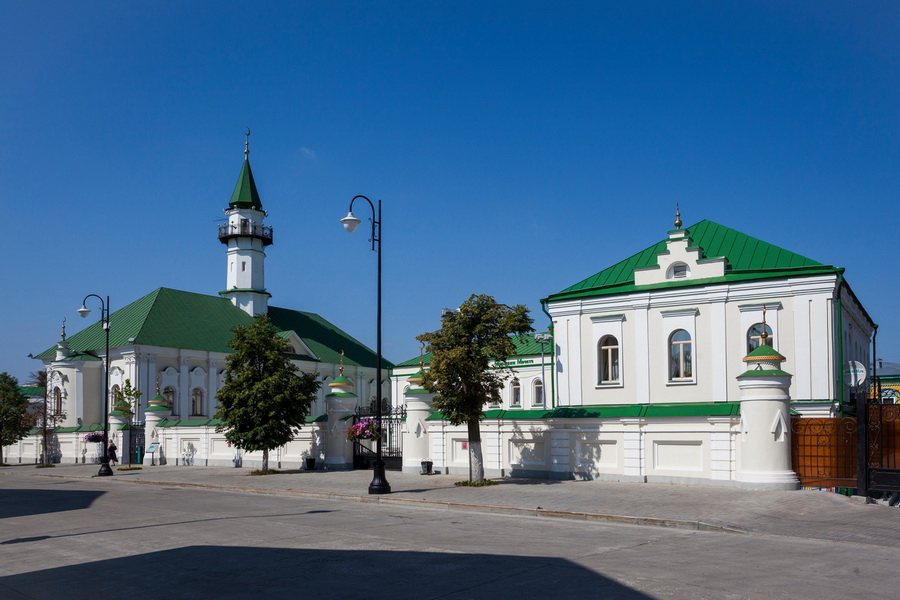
x: 379, y: 483
x: 84, y: 311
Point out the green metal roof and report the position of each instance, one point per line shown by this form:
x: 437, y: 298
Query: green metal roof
x: 525, y: 346
x: 31, y: 390
x: 245, y: 194
x: 175, y: 319
x: 746, y: 258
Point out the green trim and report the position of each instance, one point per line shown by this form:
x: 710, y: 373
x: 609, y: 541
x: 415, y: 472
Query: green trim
x: 418, y: 392
x: 342, y: 380
x: 190, y: 423
x: 316, y: 419
x: 341, y: 395
x: 617, y: 411
x: 765, y: 373
x: 255, y: 291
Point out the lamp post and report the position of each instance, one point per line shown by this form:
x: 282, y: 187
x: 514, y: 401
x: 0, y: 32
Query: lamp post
x: 84, y: 311
x: 379, y: 483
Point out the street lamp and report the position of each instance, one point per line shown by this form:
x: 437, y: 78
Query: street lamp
x: 84, y: 311
x: 379, y: 483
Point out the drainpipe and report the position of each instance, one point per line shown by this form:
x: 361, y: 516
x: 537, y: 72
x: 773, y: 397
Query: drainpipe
x: 840, y: 339
x: 553, y: 362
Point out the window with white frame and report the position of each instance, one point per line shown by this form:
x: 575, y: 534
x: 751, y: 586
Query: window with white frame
x: 538, y: 392
x: 754, y: 336
x: 515, y: 396
x: 608, y: 360
x: 681, y: 360
x: 607, y: 334
x: 196, y: 402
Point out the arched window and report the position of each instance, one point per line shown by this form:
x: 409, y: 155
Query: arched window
x: 114, y: 394
x: 538, y: 392
x: 608, y: 360
x: 679, y: 271
x: 680, y: 356
x: 515, y: 393
x: 754, y: 337
x: 57, y: 401
x: 196, y: 402
x: 169, y: 395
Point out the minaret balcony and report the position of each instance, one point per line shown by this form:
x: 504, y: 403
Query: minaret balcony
x: 246, y: 230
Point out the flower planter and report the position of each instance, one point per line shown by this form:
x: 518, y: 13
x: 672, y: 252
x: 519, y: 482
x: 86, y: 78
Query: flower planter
x: 310, y: 464
x: 427, y: 465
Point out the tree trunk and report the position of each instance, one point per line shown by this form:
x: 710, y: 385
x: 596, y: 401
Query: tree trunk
x: 265, y: 465
x: 476, y: 462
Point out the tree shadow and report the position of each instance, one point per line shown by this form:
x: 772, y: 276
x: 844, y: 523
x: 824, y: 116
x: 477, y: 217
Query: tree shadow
x: 245, y: 572
x: 24, y: 502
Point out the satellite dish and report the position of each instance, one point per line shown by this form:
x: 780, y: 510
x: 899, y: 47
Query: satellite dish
x: 855, y: 373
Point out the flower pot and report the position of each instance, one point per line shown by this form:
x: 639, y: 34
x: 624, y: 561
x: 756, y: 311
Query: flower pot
x: 310, y: 464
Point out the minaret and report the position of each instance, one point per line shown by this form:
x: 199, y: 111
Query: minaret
x: 246, y: 237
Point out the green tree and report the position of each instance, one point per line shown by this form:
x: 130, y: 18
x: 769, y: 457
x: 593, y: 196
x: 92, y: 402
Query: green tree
x: 263, y: 401
x: 14, y: 424
x: 468, y: 363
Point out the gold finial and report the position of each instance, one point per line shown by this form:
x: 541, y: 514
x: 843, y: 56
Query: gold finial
x: 342, y: 363
x: 763, y: 336
x: 64, y: 329
x: 677, y: 217
x: 247, y: 146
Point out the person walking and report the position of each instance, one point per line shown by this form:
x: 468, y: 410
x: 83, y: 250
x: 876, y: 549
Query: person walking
x: 111, y: 452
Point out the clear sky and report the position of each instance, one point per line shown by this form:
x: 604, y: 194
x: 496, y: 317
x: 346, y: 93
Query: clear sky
x: 518, y: 148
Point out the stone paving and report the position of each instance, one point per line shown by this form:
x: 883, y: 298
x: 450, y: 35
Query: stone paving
x: 803, y: 514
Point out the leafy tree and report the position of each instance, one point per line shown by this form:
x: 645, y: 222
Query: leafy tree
x: 126, y: 399
x: 263, y: 401
x: 461, y: 373
x: 14, y: 424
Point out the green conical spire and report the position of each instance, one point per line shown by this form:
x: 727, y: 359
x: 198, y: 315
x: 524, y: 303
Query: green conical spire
x: 245, y: 194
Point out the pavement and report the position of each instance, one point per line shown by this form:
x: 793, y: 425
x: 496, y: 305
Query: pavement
x: 804, y: 514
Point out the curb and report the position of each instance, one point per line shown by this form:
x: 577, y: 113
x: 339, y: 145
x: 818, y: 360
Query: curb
x: 490, y: 508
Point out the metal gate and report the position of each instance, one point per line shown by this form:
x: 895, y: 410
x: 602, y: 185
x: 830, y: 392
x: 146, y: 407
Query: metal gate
x: 136, y: 446
x: 882, y: 447
x: 364, y: 451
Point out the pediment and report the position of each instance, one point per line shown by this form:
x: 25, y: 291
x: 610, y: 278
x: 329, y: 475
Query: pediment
x: 680, y: 261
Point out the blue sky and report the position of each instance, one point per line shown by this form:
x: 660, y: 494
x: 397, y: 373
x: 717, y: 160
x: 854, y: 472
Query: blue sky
x: 518, y: 148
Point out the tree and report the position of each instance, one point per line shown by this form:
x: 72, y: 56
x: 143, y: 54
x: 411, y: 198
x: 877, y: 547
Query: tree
x: 263, y: 401
x: 126, y: 403
x: 14, y: 423
x: 461, y: 373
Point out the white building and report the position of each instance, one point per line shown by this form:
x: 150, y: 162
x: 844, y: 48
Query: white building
x: 649, y: 376
x: 174, y: 343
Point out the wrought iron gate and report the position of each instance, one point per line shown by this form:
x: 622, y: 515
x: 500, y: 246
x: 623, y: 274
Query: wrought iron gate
x: 364, y: 451
x: 136, y: 446
x: 882, y: 447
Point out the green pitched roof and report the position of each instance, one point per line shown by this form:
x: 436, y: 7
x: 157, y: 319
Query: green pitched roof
x: 525, y: 346
x: 245, y: 194
x: 175, y: 319
x: 746, y: 258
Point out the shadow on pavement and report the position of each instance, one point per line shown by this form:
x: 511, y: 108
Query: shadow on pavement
x: 245, y: 572
x: 24, y: 502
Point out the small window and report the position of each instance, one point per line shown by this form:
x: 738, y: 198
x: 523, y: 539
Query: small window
x: 169, y: 395
x: 516, y: 393
x: 57, y: 401
x: 608, y: 360
x: 679, y: 271
x: 538, y: 393
x: 680, y: 356
x: 197, y: 402
x: 116, y: 392
x: 754, y: 337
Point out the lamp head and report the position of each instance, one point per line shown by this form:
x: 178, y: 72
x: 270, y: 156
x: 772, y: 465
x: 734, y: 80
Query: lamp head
x: 84, y: 311
x: 350, y: 222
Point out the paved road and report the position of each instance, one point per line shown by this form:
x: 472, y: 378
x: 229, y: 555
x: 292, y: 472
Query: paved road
x: 188, y: 533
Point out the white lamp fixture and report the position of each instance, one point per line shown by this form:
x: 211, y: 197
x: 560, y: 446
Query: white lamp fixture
x: 350, y: 222
x: 84, y: 311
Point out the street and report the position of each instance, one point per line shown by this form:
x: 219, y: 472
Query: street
x: 99, y: 538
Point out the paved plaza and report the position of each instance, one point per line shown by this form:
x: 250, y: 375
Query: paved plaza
x: 188, y: 532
